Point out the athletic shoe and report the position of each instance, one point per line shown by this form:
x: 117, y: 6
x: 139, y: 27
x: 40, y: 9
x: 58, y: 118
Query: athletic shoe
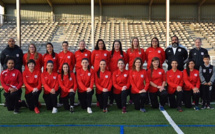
x: 97, y: 104
x: 143, y: 110
x: 54, y: 110
x: 203, y: 107
x: 36, y: 110
x: 89, y: 110
x: 179, y: 109
x: 59, y: 105
x: 124, y: 110
x: 161, y: 108
x: 209, y: 107
x: 16, y: 111
x: 105, y: 110
x: 196, y: 108
x: 71, y: 109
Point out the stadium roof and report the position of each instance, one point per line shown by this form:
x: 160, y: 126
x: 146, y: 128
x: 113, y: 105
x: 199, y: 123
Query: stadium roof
x: 106, y: 2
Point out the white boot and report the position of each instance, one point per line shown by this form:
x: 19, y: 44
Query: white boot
x: 54, y: 110
x: 89, y: 110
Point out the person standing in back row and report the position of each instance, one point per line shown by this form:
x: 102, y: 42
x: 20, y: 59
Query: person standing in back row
x: 177, y: 52
x: 197, y: 53
x: 14, y: 51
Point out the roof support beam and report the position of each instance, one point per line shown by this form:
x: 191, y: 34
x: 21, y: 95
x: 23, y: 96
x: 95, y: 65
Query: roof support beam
x: 150, y: 10
x: 199, y: 9
x: 101, y: 10
x: 52, y: 10
x: 2, y: 3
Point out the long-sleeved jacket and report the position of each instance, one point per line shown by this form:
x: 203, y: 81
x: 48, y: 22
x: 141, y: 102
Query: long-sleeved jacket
x: 49, y: 81
x: 133, y: 55
x: 97, y: 56
x: 79, y: 55
x: 155, y: 52
x: 174, y: 79
x: 191, y: 81
x: 197, y: 56
x: 39, y: 61
x: 68, y: 57
x: 105, y: 81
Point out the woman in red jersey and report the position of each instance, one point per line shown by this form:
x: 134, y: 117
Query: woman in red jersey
x: 155, y: 51
x: 121, y: 85
x: 116, y: 54
x: 85, y: 80
x: 103, y: 81
x: 81, y: 53
x: 33, y: 54
x: 50, y: 83
x: 157, y: 81
x: 32, y: 81
x: 11, y: 81
x: 139, y: 84
x: 68, y: 84
x: 66, y: 57
x: 191, y: 85
x: 134, y: 52
x: 175, y: 83
x: 51, y: 55
x: 98, y: 54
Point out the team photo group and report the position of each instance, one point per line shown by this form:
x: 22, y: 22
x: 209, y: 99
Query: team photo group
x: 113, y: 76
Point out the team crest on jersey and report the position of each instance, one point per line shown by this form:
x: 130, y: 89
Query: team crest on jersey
x: 204, y: 70
x: 35, y: 76
x: 125, y: 75
x: 139, y: 53
x: 142, y: 76
x: 54, y: 77
x: 13, y: 74
x: 202, y: 53
x: 85, y: 54
x: 169, y: 51
x: 106, y: 76
x: 178, y: 76
x: 68, y: 57
x: 159, y: 51
x: 210, y: 70
x: 196, y: 75
x: 70, y: 78
x: 121, y: 55
x: 160, y: 73
x: 179, y: 50
x: 54, y: 58
x: 105, y: 54
x: 89, y: 74
x: 17, y: 55
x: 194, y: 53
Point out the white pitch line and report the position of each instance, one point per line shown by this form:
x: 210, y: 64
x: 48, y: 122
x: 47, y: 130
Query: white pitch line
x: 172, y: 123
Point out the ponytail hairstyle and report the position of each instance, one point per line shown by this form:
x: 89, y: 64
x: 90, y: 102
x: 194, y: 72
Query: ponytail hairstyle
x: 53, y: 53
x: 62, y: 72
x: 187, y: 66
x: 152, y: 67
x: 98, y: 72
x: 88, y: 68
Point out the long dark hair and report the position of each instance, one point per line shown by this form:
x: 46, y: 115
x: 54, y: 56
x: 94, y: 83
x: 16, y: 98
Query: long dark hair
x: 157, y: 41
x: 62, y: 72
x: 120, y: 48
x: 88, y: 68
x: 134, y: 67
x: 53, y: 53
x: 98, y: 72
x: 187, y: 66
x: 152, y: 67
x: 97, y: 45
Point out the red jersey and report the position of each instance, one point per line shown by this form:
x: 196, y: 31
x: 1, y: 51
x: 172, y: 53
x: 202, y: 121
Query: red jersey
x: 85, y: 79
x: 47, y: 57
x: 32, y: 80
x: 114, y: 59
x: 191, y: 81
x: 105, y: 81
x: 67, y: 83
x: 49, y: 81
x: 39, y: 61
x: 139, y: 81
x: 133, y: 55
x: 68, y: 57
x: 155, y: 52
x: 97, y: 56
x: 158, y: 77
x: 11, y: 79
x: 120, y: 79
x: 174, y: 79
x: 79, y: 55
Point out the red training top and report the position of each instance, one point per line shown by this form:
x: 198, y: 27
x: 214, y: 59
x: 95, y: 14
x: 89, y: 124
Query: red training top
x: 174, y: 79
x: 47, y: 57
x: 79, y: 56
x: 67, y: 57
x: 49, y: 81
x: 97, y: 56
x: 191, y: 81
x: 114, y: 59
x: 105, y: 81
x: 133, y: 55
